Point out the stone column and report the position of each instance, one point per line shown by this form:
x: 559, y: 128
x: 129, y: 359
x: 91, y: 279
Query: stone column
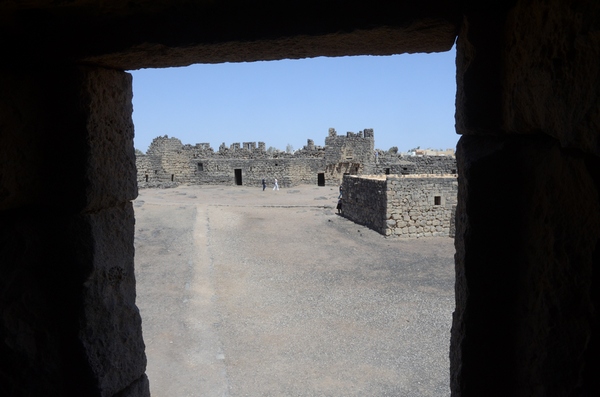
x: 528, y: 216
x: 67, y: 178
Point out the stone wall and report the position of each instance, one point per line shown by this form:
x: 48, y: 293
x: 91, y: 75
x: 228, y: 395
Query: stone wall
x: 352, y: 148
x: 168, y: 162
x: 433, y: 164
x: 69, y: 324
x: 420, y: 206
x: 403, y: 165
x: 364, y: 201
x: 166, y: 159
x: 402, y: 206
x: 288, y: 171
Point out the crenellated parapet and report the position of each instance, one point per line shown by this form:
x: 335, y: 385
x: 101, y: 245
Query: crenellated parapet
x: 355, y: 150
x: 170, y: 161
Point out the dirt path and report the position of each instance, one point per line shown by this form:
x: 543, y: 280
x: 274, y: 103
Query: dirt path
x: 244, y: 292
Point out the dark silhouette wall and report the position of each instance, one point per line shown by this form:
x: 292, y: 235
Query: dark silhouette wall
x: 528, y: 216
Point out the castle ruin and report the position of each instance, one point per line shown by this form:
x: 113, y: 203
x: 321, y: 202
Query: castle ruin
x: 169, y: 161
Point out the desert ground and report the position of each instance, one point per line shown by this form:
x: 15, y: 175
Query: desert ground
x: 251, y: 293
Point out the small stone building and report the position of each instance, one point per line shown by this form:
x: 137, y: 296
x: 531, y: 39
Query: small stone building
x: 402, y: 205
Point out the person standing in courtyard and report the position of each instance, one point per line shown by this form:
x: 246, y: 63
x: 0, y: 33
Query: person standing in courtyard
x: 264, y: 183
x: 341, y: 191
x: 275, y: 185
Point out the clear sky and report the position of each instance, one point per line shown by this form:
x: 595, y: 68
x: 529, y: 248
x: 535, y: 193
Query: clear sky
x: 407, y: 99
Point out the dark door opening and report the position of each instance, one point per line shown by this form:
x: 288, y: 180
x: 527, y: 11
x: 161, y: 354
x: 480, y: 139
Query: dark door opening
x: 321, y: 179
x: 238, y: 176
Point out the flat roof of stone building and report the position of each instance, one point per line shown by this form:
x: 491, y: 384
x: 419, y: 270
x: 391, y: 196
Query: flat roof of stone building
x: 414, y: 176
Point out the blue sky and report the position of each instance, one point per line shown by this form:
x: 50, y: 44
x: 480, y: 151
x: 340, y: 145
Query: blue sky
x: 407, y: 99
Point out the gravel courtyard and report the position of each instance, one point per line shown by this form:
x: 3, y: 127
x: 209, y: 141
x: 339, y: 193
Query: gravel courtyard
x: 251, y: 293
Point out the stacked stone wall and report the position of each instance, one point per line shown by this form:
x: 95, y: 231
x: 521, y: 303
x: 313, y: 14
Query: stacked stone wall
x: 405, y: 165
x: 393, y: 166
x: 402, y: 206
x: 163, y: 145
x: 364, y: 201
x: 432, y: 164
x: 237, y: 152
x: 145, y: 167
x: 169, y: 162
x: 420, y: 206
x: 304, y: 171
x: 351, y: 148
x: 289, y: 172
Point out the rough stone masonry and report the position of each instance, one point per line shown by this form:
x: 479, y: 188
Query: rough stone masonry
x: 402, y: 205
x: 169, y: 162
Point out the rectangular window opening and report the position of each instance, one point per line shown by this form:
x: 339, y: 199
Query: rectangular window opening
x: 344, y: 162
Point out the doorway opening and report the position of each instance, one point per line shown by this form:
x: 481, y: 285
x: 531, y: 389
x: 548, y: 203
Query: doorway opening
x: 321, y: 179
x: 238, y: 176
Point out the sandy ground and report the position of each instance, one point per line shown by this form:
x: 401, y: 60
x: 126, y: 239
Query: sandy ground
x: 251, y: 293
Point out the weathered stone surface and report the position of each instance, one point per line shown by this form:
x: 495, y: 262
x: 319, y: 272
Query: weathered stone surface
x: 434, y: 197
x: 553, y: 79
x: 527, y: 68
x: 40, y: 304
x: 180, y: 32
x: 363, y: 202
x: 68, y: 135
x: 516, y: 291
x: 168, y: 161
x: 111, y: 330
x: 74, y: 123
x: 78, y: 272
x: 110, y: 167
x: 139, y: 388
x: 549, y: 82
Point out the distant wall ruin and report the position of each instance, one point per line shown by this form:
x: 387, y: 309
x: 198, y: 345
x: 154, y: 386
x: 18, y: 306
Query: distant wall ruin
x: 169, y: 161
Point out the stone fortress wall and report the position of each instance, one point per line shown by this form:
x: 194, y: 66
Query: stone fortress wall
x: 402, y: 205
x: 169, y: 162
